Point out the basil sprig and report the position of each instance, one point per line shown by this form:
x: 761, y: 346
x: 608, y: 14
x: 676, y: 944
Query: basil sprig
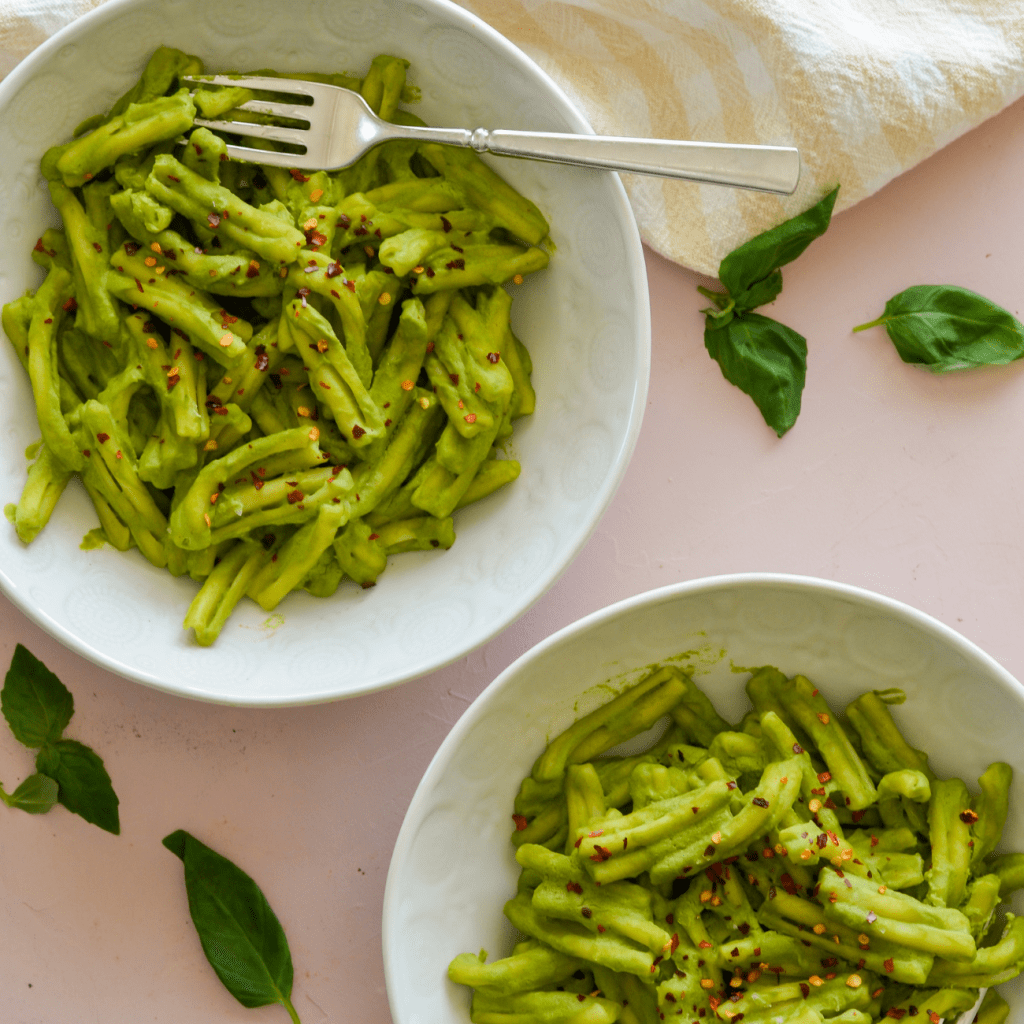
x: 240, y: 935
x: 38, y: 708
x: 945, y: 328
x: 762, y: 357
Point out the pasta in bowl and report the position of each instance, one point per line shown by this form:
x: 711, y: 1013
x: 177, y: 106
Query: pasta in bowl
x: 581, y: 337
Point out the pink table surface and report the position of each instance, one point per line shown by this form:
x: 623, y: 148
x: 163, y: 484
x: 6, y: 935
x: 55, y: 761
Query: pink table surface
x: 892, y: 479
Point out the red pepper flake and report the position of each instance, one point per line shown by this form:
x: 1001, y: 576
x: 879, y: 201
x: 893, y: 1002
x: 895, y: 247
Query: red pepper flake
x: 914, y: 1011
x: 759, y: 801
x: 889, y: 966
x: 446, y: 225
x: 138, y: 284
x: 333, y: 270
x: 828, y: 803
x: 344, y: 222
x: 102, y: 438
x: 821, y: 841
x: 357, y: 432
x: 298, y: 175
x: 350, y: 285
x: 934, y: 1017
x: 257, y: 483
x: 213, y: 219
x: 577, y: 843
x: 295, y: 496
x: 454, y: 378
x: 805, y: 990
x: 600, y: 854
x: 173, y: 178
x: 48, y: 320
x: 493, y: 357
x: 97, y: 246
x: 586, y: 912
x: 520, y: 821
x: 824, y: 777
x: 118, y: 454
x: 39, y: 247
x: 857, y: 815
x: 788, y: 884
x: 797, y: 749
x: 829, y: 962
x: 969, y: 817
x: 86, y: 452
x: 896, y: 1012
x: 470, y: 417
x: 69, y: 305
x: 262, y: 359
x: 430, y: 272
x: 709, y: 852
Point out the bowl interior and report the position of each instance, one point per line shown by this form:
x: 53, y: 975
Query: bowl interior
x: 453, y: 865
x: 585, y: 321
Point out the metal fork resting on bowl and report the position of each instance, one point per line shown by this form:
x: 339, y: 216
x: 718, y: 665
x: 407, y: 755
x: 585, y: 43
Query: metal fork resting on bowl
x: 341, y: 128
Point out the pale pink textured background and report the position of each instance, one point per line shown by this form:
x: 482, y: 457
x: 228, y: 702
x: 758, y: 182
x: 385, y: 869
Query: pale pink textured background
x: 893, y: 480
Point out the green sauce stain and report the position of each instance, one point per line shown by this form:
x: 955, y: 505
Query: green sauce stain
x: 694, y: 661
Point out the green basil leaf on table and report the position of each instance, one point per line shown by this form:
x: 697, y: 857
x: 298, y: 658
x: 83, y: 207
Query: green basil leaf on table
x: 766, y: 360
x: 36, y: 704
x: 240, y: 934
x: 84, y: 785
x: 750, y: 273
x: 36, y: 795
x: 945, y: 328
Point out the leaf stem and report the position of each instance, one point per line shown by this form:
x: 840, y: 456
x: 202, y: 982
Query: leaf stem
x: 874, y: 323
x: 720, y: 299
x: 287, y: 1004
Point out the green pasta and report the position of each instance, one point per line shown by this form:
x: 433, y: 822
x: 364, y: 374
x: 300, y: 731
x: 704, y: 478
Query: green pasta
x: 750, y: 874
x: 267, y: 379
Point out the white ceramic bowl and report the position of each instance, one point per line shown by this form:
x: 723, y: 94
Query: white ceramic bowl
x: 453, y: 865
x: 585, y: 321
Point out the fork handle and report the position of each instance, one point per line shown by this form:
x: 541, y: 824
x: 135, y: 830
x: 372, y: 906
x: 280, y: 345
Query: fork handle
x: 764, y: 168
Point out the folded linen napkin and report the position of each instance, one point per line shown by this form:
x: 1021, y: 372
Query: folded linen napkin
x: 864, y: 88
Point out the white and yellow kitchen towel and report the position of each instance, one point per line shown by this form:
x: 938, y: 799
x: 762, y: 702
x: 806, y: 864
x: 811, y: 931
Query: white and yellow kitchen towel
x: 864, y: 88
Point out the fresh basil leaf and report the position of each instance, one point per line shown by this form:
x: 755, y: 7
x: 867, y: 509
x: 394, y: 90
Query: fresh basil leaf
x: 83, y: 782
x: 751, y: 272
x: 241, y: 936
x: 948, y: 328
x: 765, y: 359
x: 36, y: 704
x: 37, y: 794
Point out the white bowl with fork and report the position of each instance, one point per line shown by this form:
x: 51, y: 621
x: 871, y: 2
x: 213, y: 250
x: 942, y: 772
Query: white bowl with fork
x: 585, y: 322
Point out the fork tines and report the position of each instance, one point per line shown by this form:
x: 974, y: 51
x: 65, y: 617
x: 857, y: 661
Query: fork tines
x: 293, y: 136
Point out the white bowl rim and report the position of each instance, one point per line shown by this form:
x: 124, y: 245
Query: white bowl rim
x: 865, y: 598
x: 10, y: 86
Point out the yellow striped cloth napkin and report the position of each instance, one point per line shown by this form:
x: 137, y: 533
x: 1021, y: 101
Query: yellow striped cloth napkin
x: 864, y: 88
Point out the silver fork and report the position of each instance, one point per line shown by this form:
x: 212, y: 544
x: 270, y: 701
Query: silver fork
x: 341, y: 128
